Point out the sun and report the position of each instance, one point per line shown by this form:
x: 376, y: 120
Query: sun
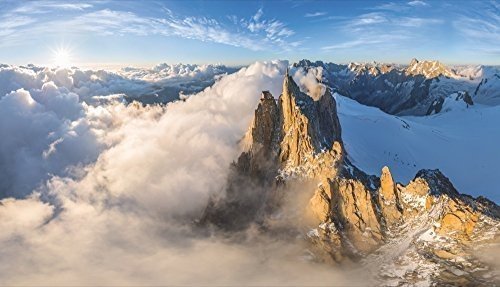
x: 62, y: 57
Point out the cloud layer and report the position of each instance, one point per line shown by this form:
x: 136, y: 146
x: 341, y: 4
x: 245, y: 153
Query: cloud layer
x: 135, y: 178
x: 55, y: 118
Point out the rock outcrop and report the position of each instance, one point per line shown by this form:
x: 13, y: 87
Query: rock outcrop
x: 460, y: 99
x: 354, y: 216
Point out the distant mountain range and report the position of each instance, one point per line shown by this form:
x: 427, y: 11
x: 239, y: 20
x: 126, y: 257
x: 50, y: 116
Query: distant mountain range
x: 407, y: 90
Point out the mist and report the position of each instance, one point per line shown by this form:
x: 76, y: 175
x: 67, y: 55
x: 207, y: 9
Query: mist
x: 108, y: 193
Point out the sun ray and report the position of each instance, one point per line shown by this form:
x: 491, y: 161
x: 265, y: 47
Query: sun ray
x: 62, y: 57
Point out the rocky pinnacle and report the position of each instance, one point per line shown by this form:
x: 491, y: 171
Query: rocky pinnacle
x: 354, y: 216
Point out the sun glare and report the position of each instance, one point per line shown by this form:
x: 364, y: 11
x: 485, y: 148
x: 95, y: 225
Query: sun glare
x: 62, y: 57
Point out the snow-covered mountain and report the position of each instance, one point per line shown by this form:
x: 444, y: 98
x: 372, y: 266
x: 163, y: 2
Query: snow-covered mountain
x: 406, y: 90
x: 462, y: 141
x: 414, y: 234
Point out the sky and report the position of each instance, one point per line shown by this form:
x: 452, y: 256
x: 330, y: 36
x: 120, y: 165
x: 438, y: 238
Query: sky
x: 143, y: 33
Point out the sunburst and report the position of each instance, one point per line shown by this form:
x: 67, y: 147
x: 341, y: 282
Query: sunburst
x: 62, y: 57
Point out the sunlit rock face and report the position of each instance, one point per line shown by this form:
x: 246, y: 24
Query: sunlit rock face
x: 291, y: 132
x: 388, y: 200
x: 351, y: 216
x: 429, y: 69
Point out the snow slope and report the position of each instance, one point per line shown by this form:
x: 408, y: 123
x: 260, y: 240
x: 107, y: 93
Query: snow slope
x: 409, y: 90
x: 464, y: 143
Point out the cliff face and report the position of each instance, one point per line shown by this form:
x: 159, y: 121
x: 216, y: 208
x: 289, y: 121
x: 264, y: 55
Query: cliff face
x: 354, y: 216
x: 286, y: 136
x: 308, y: 126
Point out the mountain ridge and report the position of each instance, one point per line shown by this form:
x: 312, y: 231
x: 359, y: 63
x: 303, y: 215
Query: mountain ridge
x: 406, y: 89
x: 354, y: 215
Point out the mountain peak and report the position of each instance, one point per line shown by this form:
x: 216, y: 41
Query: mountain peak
x: 308, y: 125
x: 429, y: 69
x: 350, y: 215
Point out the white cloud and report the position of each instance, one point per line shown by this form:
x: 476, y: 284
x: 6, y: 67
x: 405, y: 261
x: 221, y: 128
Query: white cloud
x: 481, y: 28
x: 418, y: 3
x: 350, y: 44
x: 274, y: 31
x: 52, y: 119
x: 369, y: 19
x: 43, y: 133
x: 206, y: 29
x: 9, y: 24
x: 125, y: 217
x: 110, y: 22
x: 22, y: 215
x: 175, y: 74
x: 384, y: 30
x: 258, y: 15
x: 391, y: 6
x: 46, y: 6
x: 374, y: 41
x: 310, y: 81
x: 417, y: 22
x: 315, y: 14
x: 261, y: 34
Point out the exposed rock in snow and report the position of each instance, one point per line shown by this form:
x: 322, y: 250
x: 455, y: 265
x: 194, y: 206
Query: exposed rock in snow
x: 415, y: 233
x: 410, y: 90
x: 430, y: 69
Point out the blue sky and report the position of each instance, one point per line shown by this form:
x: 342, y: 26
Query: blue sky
x: 143, y: 33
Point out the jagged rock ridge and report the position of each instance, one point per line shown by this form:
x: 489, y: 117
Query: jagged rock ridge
x: 458, y: 97
x: 407, y: 90
x: 429, y: 69
x: 355, y: 216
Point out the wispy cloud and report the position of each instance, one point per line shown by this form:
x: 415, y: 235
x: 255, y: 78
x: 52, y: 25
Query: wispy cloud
x: 417, y: 22
x: 315, y: 14
x: 369, y: 19
x: 391, y: 6
x: 481, y: 28
x: 206, y: 29
x: 400, y: 6
x: 13, y: 22
x: 258, y: 30
x: 366, y: 40
x: 274, y: 31
x: 349, y: 44
x: 33, y: 7
x: 418, y: 3
x: 392, y: 25
x: 259, y: 33
x: 109, y: 22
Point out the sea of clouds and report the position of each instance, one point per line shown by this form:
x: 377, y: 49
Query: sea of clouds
x: 95, y: 190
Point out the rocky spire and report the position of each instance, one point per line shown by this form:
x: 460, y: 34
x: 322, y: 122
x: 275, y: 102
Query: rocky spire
x: 265, y: 129
x: 309, y: 125
x: 352, y: 214
x: 285, y: 134
x: 296, y: 126
x: 388, y: 198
